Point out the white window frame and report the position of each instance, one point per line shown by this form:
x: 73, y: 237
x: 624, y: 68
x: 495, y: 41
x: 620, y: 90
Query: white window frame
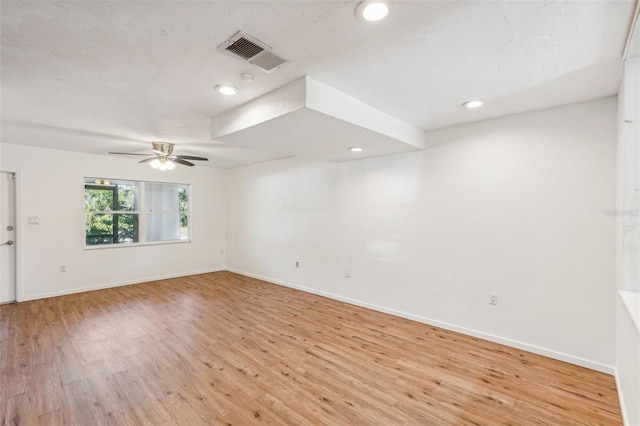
x: 142, y: 213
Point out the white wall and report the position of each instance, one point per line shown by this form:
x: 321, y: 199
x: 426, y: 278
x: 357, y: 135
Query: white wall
x: 628, y: 247
x: 51, y: 187
x: 513, y: 205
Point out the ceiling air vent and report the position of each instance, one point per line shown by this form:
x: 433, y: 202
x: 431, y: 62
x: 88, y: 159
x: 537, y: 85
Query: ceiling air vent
x: 243, y: 46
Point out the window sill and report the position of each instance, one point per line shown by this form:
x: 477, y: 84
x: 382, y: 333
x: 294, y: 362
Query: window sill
x: 631, y: 301
x: 124, y: 245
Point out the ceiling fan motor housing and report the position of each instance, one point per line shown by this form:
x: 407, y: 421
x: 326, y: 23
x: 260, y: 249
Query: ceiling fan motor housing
x: 162, y: 148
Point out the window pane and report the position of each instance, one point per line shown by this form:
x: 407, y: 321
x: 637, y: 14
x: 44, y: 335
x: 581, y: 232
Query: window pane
x: 108, y: 195
x: 183, y: 197
x: 166, y: 227
x: 98, y: 199
x: 127, y: 199
x: 184, y: 226
x: 111, y: 229
x: 167, y: 207
x: 127, y: 228
x: 99, y: 229
x: 166, y: 197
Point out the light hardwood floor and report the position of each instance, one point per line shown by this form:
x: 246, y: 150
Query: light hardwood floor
x: 221, y: 348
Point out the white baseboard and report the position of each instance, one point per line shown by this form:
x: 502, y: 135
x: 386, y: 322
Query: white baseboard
x: 623, y: 408
x: 116, y: 284
x: 608, y: 369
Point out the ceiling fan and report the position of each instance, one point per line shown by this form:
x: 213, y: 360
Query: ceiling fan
x: 163, y: 157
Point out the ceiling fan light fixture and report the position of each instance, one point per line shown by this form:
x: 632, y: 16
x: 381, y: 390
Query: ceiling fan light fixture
x: 163, y: 164
x: 372, y: 10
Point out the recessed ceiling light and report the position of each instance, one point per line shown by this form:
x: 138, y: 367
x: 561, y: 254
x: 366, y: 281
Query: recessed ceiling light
x: 356, y: 149
x: 227, y: 90
x: 373, y: 10
x: 477, y: 103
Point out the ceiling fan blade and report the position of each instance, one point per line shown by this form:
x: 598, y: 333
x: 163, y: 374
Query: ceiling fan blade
x: 146, y: 160
x: 179, y: 161
x: 129, y: 153
x: 191, y: 157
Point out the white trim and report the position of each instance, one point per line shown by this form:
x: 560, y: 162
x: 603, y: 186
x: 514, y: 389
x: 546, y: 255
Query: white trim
x: 19, y: 224
x: 118, y: 284
x: 142, y: 218
x: 632, y: 29
x: 631, y: 301
x: 123, y: 245
x: 623, y: 408
x: 608, y: 369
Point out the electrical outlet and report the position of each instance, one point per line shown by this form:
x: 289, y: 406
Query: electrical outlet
x: 493, y: 298
x: 221, y: 251
x: 63, y: 268
x: 297, y: 264
x: 347, y: 272
x: 33, y: 220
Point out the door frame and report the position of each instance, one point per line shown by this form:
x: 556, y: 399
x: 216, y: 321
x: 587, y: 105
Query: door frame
x: 19, y: 224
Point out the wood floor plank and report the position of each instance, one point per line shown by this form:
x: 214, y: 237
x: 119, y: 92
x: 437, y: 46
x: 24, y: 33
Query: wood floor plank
x: 59, y: 417
x: 50, y: 397
x: 225, y: 349
x: 22, y: 409
x: 84, y: 404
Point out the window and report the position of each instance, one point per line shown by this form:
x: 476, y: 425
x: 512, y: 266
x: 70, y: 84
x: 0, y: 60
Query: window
x: 132, y: 212
x: 166, y: 211
x: 111, y: 212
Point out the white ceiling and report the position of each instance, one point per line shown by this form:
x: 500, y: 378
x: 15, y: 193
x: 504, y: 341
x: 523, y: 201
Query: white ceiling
x: 96, y: 76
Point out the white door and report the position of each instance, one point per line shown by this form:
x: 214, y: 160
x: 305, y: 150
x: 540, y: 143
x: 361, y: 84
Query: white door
x: 7, y: 237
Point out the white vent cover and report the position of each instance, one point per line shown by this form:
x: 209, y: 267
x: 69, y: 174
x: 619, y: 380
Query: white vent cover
x: 242, y: 46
